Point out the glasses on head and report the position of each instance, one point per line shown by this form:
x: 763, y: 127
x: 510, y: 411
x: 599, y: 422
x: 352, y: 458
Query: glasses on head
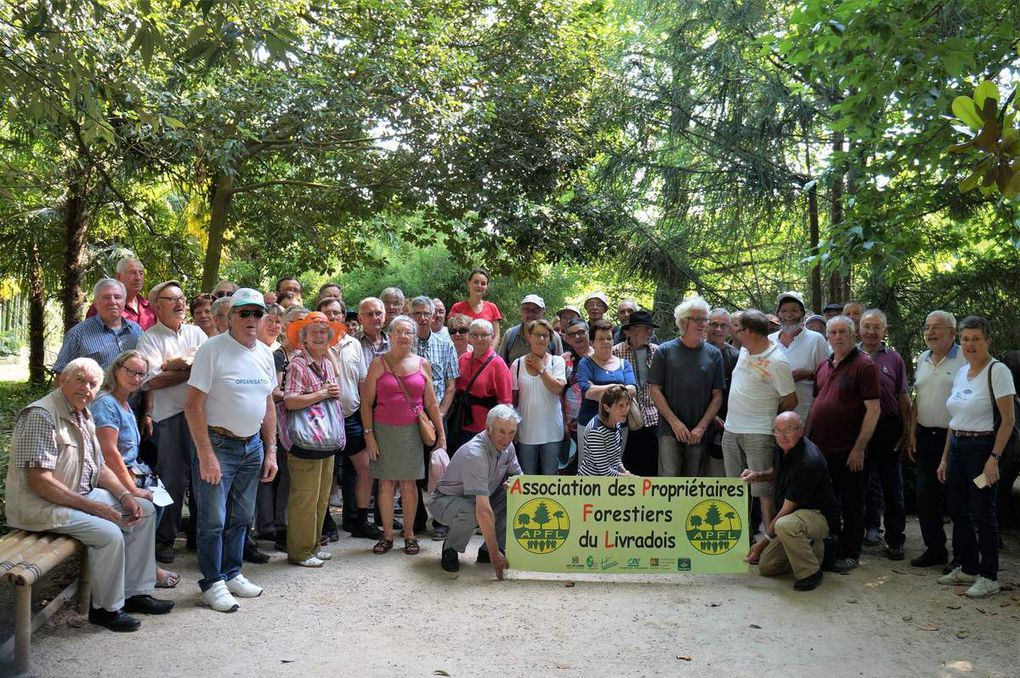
x: 223, y: 293
x: 252, y: 313
x: 473, y: 335
x: 134, y: 373
x: 172, y: 300
x: 458, y: 330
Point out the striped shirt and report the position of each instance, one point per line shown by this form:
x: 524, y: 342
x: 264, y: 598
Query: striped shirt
x: 442, y: 355
x: 644, y: 389
x: 603, y: 450
x: 91, y: 338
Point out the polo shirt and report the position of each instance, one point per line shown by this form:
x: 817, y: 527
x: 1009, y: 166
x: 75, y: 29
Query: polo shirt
x: 806, y: 352
x: 237, y: 380
x: 933, y: 382
x: 838, y: 410
x: 158, y: 344
x: 478, y: 469
x: 92, y: 338
x: 687, y: 377
x: 802, y: 476
x: 493, y: 381
x: 892, y: 380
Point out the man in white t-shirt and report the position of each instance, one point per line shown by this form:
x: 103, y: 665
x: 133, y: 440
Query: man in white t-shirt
x: 804, y: 348
x: 762, y: 387
x: 232, y: 420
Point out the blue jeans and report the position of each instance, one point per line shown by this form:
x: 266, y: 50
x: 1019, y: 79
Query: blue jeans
x: 541, y: 459
x: 225, y: 510
x: 971, y: 508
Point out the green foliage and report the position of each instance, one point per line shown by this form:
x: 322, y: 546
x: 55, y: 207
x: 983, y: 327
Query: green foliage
x: 13, y: 396
x: 9, y: 344
x: 996, y: 135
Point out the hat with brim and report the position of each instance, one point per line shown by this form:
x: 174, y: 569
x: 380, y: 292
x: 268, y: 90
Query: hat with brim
x: 156, y: 289
x: 790, y: 296
x: 601, y: 296
x: 640, y: 318
x: 834, y: 306
x: 246, y: 296
x: 572, y: 309
x: 294, y: 328
x: 534, y: 299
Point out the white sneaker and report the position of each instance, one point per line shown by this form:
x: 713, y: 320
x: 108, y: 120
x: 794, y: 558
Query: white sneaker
x: 324, y: 555
x: 242, y: 588
x: 957, y: 576
x: 982, y: 588
x: 335, y: 498
x: 218, y: 598
x: 311, y: 561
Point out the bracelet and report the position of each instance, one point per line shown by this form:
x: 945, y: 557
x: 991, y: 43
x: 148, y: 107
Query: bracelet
x: 369, y: 430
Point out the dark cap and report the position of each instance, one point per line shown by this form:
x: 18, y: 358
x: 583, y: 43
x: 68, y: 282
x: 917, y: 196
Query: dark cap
x: 834, y: 306
x: 640, y: 318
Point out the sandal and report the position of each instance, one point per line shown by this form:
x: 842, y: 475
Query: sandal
x: 411, y: 547
x: 168, y: 581
x: 382, y: 546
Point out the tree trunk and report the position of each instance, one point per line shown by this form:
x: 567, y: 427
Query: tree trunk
x: 816, y: 270
x: 837, y: 284
x: 36, y: 320
x: 223, y: 195
x: 75, y: 232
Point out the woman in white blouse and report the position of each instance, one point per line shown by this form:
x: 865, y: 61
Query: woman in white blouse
x: 537, y: 380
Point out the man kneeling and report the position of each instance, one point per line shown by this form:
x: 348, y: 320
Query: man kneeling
x: 57, y: 482
x: 803, y: 493
x: 472, y: 493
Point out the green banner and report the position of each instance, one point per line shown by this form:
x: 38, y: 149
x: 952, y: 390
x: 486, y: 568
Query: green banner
x: 627, y: 524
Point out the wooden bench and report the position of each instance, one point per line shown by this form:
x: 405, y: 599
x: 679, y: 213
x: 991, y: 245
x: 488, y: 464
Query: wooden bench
x: 25, y: 558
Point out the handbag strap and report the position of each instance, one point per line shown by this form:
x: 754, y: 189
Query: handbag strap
x: 996, y: 417
x: 403, y: 389
x: 479, y: 372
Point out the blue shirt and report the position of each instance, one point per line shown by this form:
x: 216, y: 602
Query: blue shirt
x: 91, y: 338
x: 590, y: 374
x: 107, y: 413
x: 442, y: 355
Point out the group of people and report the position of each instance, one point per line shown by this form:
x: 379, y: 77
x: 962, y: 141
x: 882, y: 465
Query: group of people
x: 264, y: 409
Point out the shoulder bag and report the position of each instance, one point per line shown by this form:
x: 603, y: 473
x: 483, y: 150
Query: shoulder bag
x: 459, y: 413
x: 425, y: 425
x: 1012, y: 450
x: 320, y: 426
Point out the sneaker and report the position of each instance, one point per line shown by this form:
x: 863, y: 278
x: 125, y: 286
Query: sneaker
x: 871, y: 537
x: 894, y: 552
x: 242, y: 588
x: 115, y: 621
x: 982, y: 588
x: 335, y: 498
x: 957, y: 576
x: 440, y: 532
x: 845, y: 564
x: 218, y: 598
x: 930, y: 558
x: 808, y: 583
x: 311, y: 561
x: 950, y: 566
x: 324, y: 555
x: 450, y: 561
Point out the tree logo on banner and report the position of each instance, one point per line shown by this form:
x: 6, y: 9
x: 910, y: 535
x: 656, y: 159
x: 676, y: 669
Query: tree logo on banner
x: 713, y: 527
x: 541, y: 525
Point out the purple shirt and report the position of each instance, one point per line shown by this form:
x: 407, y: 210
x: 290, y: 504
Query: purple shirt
x: 892, y: 380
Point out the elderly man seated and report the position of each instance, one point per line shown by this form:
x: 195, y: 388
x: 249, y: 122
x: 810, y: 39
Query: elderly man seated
x: 57, y: 482
x: 803, y: 493
x: 472, y: 493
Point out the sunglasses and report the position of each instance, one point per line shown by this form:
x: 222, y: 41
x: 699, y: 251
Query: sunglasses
x: 223, y: 293
x: 249, y: 313
x: 459, y: 330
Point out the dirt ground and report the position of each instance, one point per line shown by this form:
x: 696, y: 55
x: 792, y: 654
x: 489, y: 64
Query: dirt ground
x: 399, y: 615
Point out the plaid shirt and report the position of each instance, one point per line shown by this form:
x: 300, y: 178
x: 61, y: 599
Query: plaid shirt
x: 33, y: 445
x: 91, y: 338
x: 442, y: 355
x: 368, y: 348
x: 644, y: 390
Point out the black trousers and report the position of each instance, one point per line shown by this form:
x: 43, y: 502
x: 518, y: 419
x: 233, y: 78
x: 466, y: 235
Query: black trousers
x: 849, y: 488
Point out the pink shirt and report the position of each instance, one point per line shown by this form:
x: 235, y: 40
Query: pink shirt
x: 391, y: 407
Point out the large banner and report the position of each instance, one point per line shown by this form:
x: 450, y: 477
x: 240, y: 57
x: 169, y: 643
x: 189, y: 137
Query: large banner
x: 627, y: 524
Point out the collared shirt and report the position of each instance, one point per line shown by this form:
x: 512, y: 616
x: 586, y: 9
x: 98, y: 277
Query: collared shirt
x: 644, y: 389
x: 351, y: 371
x: 494, y: 381
x: 442, y: 354
x: 478, y: 469
x: 33, y: 445
x: 369, y: 349
x: 145, y: 316
x: 802, y: 476
x: 933, y: 382
x: 159, y: 343
x: 91, y: 338
x: 892, y: 380
x: 840, y: 392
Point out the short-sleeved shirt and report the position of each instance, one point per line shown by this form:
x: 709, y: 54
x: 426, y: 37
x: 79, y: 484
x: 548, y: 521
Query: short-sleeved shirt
x: 806, y: 352
x: 352, y: 370
x: 442, y: 355
x: 590, y: 373
x: 730, y: 355
x: 892, y: 380
x: 33, y: 445
x: 519, y: 347
x: 641, y: 362
x: 91, y: 338
x: 838, y: 410
x: 237, y: 381
x: 489, y: 311
x: 933, y: 382
x: 759, y: 381
x: 494, y: 381
x: 369, y: 349
x: 687, y: 377
x: 541, y: 410
x: 108, y: 413
x: 802, y: 476
x: 145, y: 316
x: 970, y: 404
x: 478, y: 469
x: 160, y: 343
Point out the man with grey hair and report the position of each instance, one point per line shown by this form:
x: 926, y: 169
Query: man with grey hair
x: 687, y: 386
x: 131, y: 273
x: 393, y: 300
x: 57, y: 482
x: 928, y: 428
x: 472, y: 493
x: 439, y: 319
x: 219, y: 309
x: 103, y: 336
x: 371, y: 316
x: 514, y: 342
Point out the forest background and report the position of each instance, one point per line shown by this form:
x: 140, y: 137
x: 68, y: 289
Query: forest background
x: 649, y: 148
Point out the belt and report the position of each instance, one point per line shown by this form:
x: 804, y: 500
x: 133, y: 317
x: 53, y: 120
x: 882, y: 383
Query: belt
x: 229, y: 435
x: 972, y: 434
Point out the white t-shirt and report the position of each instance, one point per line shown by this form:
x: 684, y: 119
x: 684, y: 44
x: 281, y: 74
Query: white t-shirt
x: 758, y: 382
x: 541, y: 410
x: 159, y: 343
x: 805, y: 352
x: 933, y: 384
x: 237, y: 381
x: 970, y: 405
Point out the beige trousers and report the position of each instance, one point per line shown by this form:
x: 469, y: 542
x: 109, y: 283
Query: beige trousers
x: 798, y: 545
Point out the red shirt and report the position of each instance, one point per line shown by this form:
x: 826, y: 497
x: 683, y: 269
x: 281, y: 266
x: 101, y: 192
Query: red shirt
x: 489, y: 311
x: 838, y: 409
x: 144, y: 316
x: 493, y: 381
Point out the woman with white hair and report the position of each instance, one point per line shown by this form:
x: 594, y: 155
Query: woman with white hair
x: 483, y: 383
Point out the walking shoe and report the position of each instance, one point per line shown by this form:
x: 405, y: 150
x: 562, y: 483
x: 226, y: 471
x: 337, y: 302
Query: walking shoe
x: 218, y: 598
x: 366, y: 530
x: 982, y: 588
x: 808, y: 583
x: 440, y: 532
x: 311, y: 561
x: 115, y: 621
x: 894, y: 552
x: 145, y: 604
x: 450, y: 561
x: 252, y: 554
x: 930, y: 558
x: 335, y: 498
x: 165, y: 553
x: 483, y: 555
x: 871, y: 537
x: 957, y: 576
x: 242, y: 588
x: 845, y: 564
x: 950, y: 566
x: 324, y: 555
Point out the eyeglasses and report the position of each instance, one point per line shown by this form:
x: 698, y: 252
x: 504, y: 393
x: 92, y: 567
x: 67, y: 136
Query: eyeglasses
x: 421, y: 314
x: 134, y: 373
x: 252, y: 313
x: 172, y: 300
x: 699, y: 321
x: 479, y: 336
x: 402, y: 333
x: 715, y: 325
x: 739, y: 330
x: 785, y: 431
x: 579, y: 333
x: 222, y: 293
x: 459, y: 330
